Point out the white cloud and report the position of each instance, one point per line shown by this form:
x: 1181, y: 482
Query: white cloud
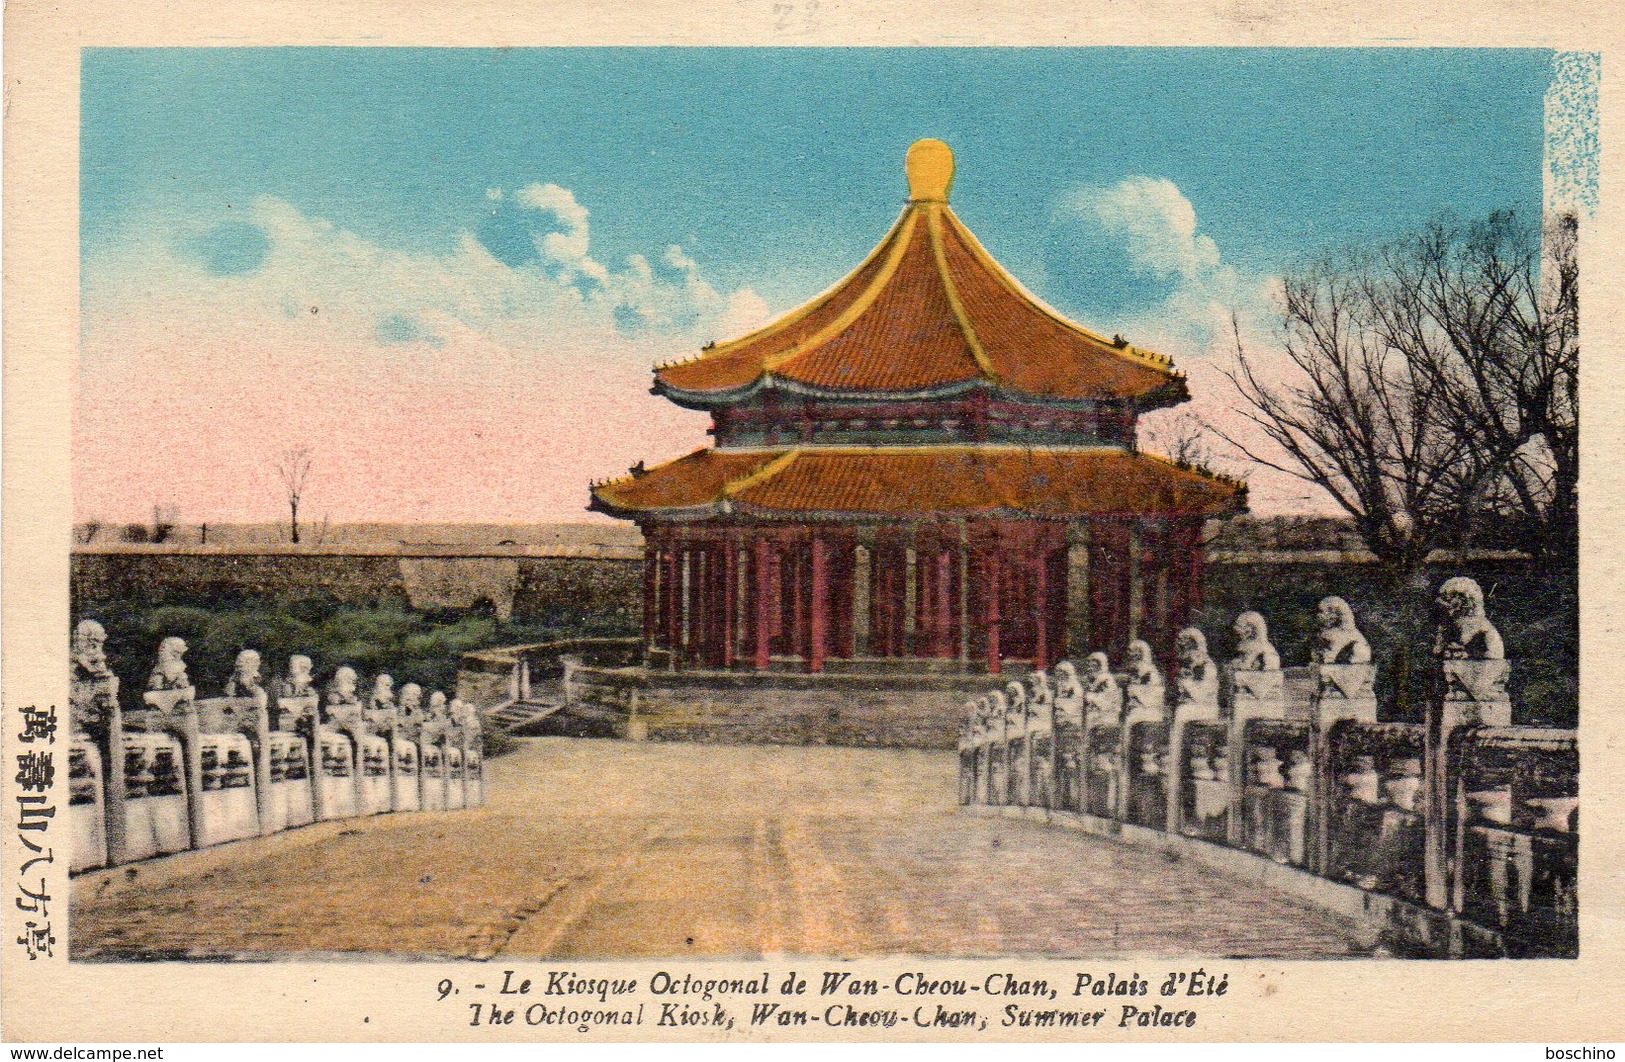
x: 1155, y: 228
x: 446, y: 384
x: 1199, y: 305
x: 353, y: 283
x: 746, y: 312
x: 569, y: 246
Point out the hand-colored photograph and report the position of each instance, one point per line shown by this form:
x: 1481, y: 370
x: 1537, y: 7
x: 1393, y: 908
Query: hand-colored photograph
x: 736, y: 503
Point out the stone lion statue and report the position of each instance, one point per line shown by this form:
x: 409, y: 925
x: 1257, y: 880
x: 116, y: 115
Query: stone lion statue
x: 245, y: 676
x: 1016, y: 702
x: 1142, y: 666
x: 1340, y: 640
x: 1069, y: 695
x: 90, y: 652
x: 1101, y: 691
x: 1253, y: 649
x: 341, y: 692
x: 1041, y: 695
x: 1198, y: 681
x: 169, y: 673
x: 1465, y: 632
x: 298, y: 682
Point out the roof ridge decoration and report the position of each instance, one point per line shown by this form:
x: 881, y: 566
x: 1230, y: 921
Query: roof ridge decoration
x: 934, y: 223
x: 762, y: 474
x: 929, y: 166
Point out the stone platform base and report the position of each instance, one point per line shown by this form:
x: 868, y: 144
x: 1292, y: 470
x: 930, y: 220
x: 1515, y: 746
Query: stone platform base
x: 887, y: 710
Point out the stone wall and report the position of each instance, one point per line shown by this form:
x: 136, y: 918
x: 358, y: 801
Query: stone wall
x: 600, y: 583
x: 519, y: 582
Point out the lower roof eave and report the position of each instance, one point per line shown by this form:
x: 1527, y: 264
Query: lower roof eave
x: 838, y: 516
x: 755, y: 513
x: 681, y: 513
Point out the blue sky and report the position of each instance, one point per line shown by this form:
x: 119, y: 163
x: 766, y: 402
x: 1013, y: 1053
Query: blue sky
x: 686, y: 192
x: 754, y: 160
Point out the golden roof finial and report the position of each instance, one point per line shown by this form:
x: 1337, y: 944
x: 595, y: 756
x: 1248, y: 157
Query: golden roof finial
x: 930, y: 168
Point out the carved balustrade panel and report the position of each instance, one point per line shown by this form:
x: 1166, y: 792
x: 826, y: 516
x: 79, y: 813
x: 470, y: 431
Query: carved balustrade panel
x: 1277, y: 786
x: 1103, y: 771
x: 228, y: 801
x: 1375, y: 814
x: 87, y: 809
x: 1518, y: 797
x: 1206, y: 788
x: 1147, y: 762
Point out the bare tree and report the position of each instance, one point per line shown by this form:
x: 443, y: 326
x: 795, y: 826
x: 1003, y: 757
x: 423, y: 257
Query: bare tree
x: 293, y: 469
x: 1431, y: 388
x: 1490, y: 311
x: 164, y: 519
x: 1351, y: 414
x: 1182, y: 438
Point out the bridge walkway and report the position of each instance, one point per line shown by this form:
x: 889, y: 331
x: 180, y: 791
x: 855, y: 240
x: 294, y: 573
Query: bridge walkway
x: 612, y: 849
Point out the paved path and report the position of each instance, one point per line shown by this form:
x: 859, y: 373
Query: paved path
x: 605, y: 849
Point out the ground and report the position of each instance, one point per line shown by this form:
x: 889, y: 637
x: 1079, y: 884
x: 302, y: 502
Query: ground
x: 610, y: 849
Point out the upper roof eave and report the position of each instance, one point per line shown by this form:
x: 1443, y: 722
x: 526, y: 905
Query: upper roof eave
x: 1172, y: 393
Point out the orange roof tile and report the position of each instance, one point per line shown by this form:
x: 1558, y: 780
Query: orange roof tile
x: 929, y: 310
x: 907, y: 481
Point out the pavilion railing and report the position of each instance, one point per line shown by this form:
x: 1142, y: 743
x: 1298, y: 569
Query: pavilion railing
x: 1463, y: 816
x: 171, y: 771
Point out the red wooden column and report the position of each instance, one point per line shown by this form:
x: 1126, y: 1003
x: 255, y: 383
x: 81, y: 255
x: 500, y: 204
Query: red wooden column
x: 796, y: 627
x: 991, y: 579
x: 694, y: 588
x: 886, y: 570
x: 1041, y: 608
x: 1187, y: 547
x: 818, y: 606
x: 1060, y: 592
x: 716, y: 597
x: 924, y: 599
x: 942, y: 629
x: 713, y: 604
x: 730, y: 601
x: 694, y: 629
x: 673, y: 600
x: 651, y: 591
x: 842, y: 566
x: 765, y: 589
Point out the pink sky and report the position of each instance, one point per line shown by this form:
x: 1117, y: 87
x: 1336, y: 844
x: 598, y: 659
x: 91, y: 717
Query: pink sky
x: 514, y: 393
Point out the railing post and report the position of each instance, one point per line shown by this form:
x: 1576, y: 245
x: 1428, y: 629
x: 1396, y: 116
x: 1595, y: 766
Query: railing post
x: 1471, y: 693
x: 1146, y: 698
x: 1196, y: 700
x: 1252, y: 695
x: 1471, y: 690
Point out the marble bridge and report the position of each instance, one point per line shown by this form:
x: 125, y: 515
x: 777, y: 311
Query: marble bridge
x: 617, y: 849
x: 1243, y: 810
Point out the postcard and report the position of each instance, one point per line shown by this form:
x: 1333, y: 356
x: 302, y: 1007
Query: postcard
x: 797, y: 523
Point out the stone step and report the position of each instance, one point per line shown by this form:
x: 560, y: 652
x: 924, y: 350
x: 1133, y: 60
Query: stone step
x: 517, y: 715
